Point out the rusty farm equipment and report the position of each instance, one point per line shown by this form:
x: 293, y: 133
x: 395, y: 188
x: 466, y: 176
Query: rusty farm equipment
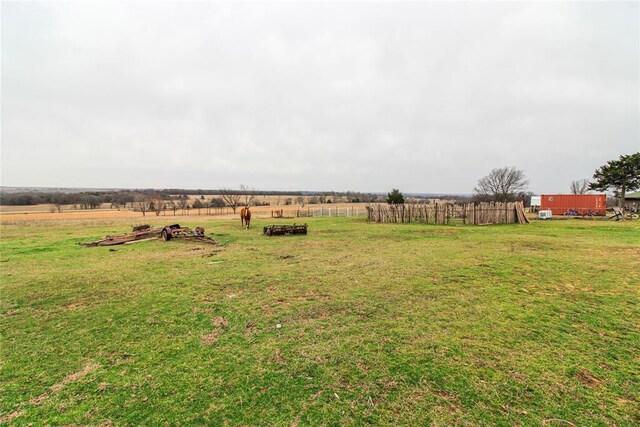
x: 146, y: 232
x: 281, y: 230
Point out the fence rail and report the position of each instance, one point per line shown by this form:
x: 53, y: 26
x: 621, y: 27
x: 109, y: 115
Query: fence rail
x: 428, y: 213
x: 318, y: 212
x: 447, y: 213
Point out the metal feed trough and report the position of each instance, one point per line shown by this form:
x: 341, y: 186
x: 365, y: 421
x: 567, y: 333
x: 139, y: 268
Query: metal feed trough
x: 145, y: 232
x: 281, y: 230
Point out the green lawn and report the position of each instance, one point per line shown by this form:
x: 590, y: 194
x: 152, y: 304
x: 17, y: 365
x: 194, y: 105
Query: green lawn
x: 354, y: 324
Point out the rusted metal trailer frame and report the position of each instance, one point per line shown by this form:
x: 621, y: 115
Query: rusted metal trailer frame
x: 281, y: 230
x: 145, y: 232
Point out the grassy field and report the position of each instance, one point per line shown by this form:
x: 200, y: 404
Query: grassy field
x: 354, y: 324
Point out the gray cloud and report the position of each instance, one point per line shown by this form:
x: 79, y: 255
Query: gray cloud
x: 362, y: 96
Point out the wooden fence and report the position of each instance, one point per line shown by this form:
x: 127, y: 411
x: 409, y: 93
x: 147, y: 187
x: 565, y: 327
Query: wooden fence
x: 318, y: 212
x: 448, y: 213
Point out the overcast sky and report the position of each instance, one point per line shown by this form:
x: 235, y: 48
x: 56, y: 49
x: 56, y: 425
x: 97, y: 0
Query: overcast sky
x: 365, y: 96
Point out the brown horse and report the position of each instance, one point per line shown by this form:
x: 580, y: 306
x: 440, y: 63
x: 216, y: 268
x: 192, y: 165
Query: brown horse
x: 243, y: 213
x: 245, y: 216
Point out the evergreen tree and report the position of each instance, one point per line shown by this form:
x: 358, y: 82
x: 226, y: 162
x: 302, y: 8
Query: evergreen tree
x: 621, y: 175
x: 395, y: 197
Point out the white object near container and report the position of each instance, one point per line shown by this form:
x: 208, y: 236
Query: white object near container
x: 546, y: 214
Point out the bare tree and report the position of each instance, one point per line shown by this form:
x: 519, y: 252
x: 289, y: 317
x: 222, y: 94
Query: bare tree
x: 183, y: 203
x: 157, y: 204
x: 173, y: 205
x: 84, y: 201
x: 580, y: 186
x: 249, y: 193
x: 501, y: 185
x: 142, y: 203
x: 58, y: 201
x: 230, y: 197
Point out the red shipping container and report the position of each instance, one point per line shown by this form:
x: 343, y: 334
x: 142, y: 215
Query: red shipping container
x: 581, y: 204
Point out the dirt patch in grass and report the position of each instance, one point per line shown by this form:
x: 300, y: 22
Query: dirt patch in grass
x: 211, y: 338
x: 91, y: 367
x: 73, y: 305
x: 250, y: 327
x: 277, y: 358
x: 220, y: 324
x: 586, y: 378
x: 11, y: 415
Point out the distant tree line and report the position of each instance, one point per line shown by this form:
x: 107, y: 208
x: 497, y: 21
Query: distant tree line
x: 82, y: 200
x: 176, y: 199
